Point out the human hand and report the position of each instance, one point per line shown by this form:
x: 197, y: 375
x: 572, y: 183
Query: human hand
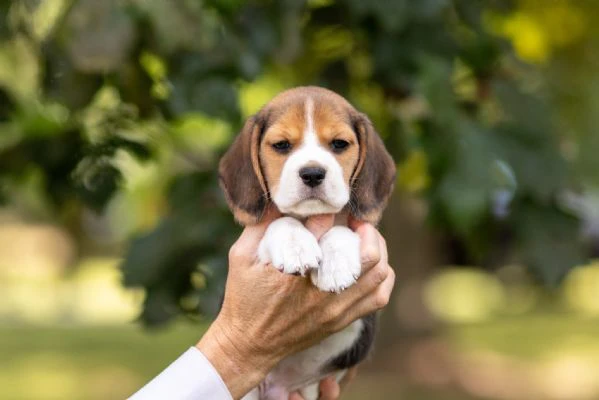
x: 267, y: 316
x: 329, y: 388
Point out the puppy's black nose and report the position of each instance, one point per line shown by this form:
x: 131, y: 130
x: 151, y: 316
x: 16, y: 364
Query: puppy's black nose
x: 312, y: 176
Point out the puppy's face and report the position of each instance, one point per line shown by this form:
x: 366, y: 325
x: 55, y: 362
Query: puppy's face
x: 308, y: 154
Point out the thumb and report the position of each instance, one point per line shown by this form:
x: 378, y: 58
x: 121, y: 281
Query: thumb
x: 320, y: 224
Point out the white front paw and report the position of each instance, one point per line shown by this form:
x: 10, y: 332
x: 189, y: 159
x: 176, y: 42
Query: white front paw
x: 289, y: 247
x: 341, y: 260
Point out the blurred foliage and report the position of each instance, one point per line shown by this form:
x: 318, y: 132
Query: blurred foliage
x: 123, y: 108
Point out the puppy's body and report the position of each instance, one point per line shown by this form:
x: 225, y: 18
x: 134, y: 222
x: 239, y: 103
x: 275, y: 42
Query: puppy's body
x: 304, y: 370
x: 310, y: 152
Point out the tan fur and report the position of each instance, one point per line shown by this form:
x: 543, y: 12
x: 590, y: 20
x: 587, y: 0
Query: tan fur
x: 374, y: 177
x: 367, y: 166
x: 240, y: 175
x: 289, y: 125
x: 330, y: 123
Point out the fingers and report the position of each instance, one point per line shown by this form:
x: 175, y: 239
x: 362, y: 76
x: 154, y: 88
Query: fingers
x: 366, y: 285
x: 371, y: 250
x: 375, y: 267
x: 374, y: 300
x: 320, y: 224
x: 383, y: 249
x: 329, y: 389
x: 370, y: 293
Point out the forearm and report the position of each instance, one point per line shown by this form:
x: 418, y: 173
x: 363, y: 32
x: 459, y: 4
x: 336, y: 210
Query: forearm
x: 239, y: 365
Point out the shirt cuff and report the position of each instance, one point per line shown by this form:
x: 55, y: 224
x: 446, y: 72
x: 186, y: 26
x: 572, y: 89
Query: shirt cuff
x: 191, y: 376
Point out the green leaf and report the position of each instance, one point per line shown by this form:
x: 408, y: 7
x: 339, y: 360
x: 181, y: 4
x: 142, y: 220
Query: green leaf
x: 160, y: 306
x: 548, y: 241
x: 99, y: 35
x: 538, y: 166
x: 466, y: 189
x: 213, y: 96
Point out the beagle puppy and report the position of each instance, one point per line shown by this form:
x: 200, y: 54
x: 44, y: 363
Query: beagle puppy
x: 309, y: 152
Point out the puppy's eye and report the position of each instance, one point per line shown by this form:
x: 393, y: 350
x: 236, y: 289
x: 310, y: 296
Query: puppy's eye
x: 282, y: 147
x: 339, y: 145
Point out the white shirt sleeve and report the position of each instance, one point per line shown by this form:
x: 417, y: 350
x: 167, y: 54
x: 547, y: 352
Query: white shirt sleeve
x: 190, y: 377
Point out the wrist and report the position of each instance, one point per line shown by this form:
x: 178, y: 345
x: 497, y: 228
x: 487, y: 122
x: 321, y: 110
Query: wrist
x: 240, y: 365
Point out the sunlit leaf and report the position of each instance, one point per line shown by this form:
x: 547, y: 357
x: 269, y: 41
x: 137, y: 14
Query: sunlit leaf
x: 413, y: 172
x: 19, y: 69
x: 581, y: 287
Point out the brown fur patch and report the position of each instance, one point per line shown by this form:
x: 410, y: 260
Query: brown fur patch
x: 331, y: 122
x: 240, y: 175
x: 252, y: 168
x: 289, y: 126
x: 374, y: 177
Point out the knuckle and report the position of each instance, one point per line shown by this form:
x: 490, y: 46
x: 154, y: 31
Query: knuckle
x: 235, y: 252
x: 370, y: 254
x: 331, y: 316
x: 391, y: 273
x: 381, y: 300
x: 327, y: 322
x: 381, y: 272
x: 383, y: 241
x: 336, y: 311
x: 330, y: 327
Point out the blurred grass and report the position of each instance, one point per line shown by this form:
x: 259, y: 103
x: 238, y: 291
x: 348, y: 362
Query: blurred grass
x: 486, y: 346
x: 531, y: 336
x: 86, y: 362
x: 111, y: 362
x: 376, y: 387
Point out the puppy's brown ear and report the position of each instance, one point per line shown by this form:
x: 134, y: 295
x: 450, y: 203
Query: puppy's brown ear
x: 374, y: 177
x: 240, y: 174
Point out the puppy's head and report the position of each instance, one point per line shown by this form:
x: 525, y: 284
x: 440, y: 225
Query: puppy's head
x: 309, y: 152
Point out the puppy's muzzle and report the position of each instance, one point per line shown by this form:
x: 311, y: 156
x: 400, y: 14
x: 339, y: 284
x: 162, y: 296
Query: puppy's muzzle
x: 312, y: 176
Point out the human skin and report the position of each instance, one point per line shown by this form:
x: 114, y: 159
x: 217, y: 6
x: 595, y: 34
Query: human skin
x: 267, y: 316
x: 329, y: 388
